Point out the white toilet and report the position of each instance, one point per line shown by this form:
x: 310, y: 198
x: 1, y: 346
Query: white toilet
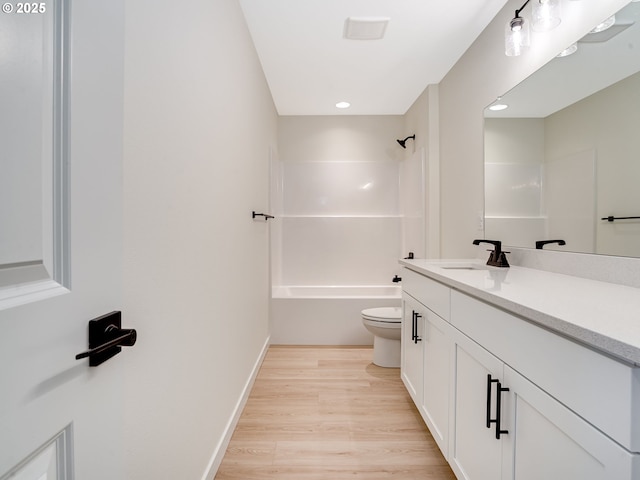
x: 385, y: 324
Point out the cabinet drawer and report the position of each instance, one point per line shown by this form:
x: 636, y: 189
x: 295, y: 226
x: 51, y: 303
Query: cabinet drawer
x: 601, y: 390
x: 432, y: 294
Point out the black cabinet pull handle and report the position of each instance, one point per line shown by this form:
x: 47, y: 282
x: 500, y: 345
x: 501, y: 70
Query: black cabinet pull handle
x: 496, y: 420
x: 416, y: 338
x: 413, y: 325
x: 489, y: 382
x: 499, y: 391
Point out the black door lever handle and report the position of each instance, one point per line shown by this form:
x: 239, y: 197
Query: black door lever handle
x: 106, y: 337
x: 128, y: 340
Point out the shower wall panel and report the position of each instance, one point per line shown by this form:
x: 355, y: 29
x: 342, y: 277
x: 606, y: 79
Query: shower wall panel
x: 340, y: 250
x: 341, y: 223
x: 341, y: 188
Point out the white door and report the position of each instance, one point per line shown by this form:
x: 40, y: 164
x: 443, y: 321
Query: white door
x: 411, y: 344
x: 437, y: 344
x: 547, y: 440
x: 475, y: 453
x: 75, y: 195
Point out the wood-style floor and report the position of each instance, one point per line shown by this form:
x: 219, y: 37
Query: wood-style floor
x: 330, y: 413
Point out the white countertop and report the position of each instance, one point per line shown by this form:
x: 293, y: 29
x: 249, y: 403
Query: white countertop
x: 604, y: 316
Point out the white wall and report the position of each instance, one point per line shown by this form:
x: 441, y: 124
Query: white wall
x: 199, y: 123
x: 603, y: 126
x: 481, y: 75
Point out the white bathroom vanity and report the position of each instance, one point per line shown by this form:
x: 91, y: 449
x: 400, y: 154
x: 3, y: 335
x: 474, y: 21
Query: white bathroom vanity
x: 521, y: 373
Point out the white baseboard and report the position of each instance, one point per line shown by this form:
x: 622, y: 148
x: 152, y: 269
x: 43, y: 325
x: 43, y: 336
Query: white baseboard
x: 221, y: 448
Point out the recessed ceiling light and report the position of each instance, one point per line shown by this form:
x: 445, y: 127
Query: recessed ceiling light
x: 343, y: 104
x: 496, y: 107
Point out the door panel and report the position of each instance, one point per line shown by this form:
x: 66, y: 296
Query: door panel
x: 475, y: 453
x: 412, y: 356
x: 437, y: 374
x: 550, y: 441
x: 44, y: 389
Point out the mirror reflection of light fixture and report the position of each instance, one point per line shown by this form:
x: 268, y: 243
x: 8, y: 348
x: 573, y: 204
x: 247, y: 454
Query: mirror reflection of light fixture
x: 571, y: 49
x: 545, y: 16
x: 601, y: 27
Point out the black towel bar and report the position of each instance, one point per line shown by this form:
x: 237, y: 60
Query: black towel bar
x: 266, y: 217
x: 611, y: 218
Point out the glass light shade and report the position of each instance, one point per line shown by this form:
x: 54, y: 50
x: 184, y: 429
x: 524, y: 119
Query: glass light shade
x: 601, y: 27
x: 516, y: 37
x: 546, y: 15
x: 570, y: 50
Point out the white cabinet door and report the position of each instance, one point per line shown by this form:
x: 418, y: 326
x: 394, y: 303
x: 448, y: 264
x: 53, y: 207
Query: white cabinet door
x: 546, y: 440
x: 412, y: 351
x: 437, y: 344
x: 44, y: 390
x: 474, y: 451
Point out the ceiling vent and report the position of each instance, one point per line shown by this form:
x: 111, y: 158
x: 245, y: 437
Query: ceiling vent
x: 365, y: 28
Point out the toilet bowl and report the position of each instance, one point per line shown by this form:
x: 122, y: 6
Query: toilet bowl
x: 385, y: 324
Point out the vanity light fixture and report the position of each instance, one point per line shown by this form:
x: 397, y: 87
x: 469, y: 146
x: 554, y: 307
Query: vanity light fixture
x: 517, y: 37
x: 545, y: 16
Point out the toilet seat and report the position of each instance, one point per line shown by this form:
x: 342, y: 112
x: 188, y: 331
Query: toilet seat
x: 383, y: 314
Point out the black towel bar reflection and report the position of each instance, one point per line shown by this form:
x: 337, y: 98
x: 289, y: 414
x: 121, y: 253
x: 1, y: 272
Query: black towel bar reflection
x: 106, y: 337
x: 266, y: 217
x: 611, y: 218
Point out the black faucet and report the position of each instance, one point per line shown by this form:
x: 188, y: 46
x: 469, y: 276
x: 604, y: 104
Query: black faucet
x: 497, y: 257
x: 542, y: 243
x: 396, y: 279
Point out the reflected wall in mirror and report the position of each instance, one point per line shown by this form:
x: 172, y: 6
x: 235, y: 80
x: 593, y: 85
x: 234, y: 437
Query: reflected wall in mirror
x: 566, y: 151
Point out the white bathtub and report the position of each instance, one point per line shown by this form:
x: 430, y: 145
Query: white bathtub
x: 326, y: 315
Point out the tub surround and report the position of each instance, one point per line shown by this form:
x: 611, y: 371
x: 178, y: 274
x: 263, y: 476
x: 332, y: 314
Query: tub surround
x: 601, y: 315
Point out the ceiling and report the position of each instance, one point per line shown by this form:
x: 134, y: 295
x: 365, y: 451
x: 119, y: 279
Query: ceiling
x: 310, y: 66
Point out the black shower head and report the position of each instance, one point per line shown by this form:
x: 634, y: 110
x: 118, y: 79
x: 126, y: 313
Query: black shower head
x: 403, y: 142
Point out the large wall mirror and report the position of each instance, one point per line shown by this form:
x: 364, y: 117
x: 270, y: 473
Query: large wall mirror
x: 33, y: 151
x: 565, y: 155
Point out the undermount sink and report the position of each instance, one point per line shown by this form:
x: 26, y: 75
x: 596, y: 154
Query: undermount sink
x: 464, y: 266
